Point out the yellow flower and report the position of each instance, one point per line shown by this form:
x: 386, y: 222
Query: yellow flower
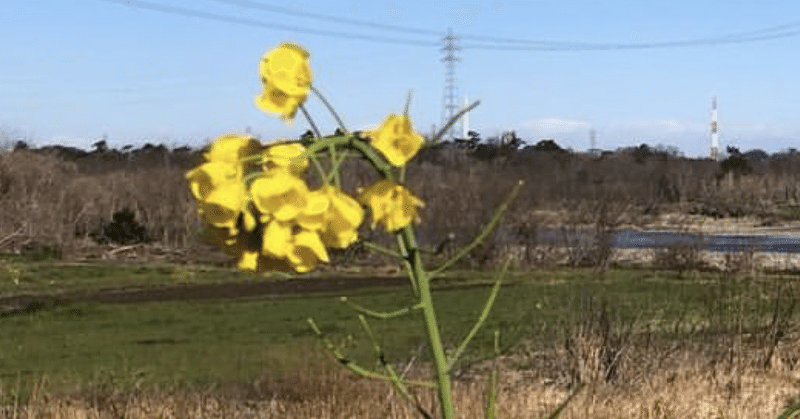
x: 244, y: 247
x: 344, y: 215
x: 287, y: 156
x: 277, y: 240
x: 286, y: 68
x: 391, y: 204
x: 222, y: 206
x: 313, y: 217
x: 276, y: 101
x: 224, y: 166
x: 396, y: 140
x: 210, y: 176
x: 286, y: 75
x: 307, y: 251
x: 230, y: 148
x: 280, y: 195
x: 254, y: 261
x: 303, y: 250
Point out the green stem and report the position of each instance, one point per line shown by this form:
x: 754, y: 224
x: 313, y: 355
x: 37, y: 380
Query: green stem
x: 357, y: 369
x: 310, y: 121
x: 482, y: 318
x: 452, y: 121
x: 380, y: 165
x: 401, y: 245
x: 380, y: 249
x: 313, y: 156
x: 435, y: 346
x: 377, y: 314
x: 331, y: 149
x: 418, y: 275
x: 330, y: 108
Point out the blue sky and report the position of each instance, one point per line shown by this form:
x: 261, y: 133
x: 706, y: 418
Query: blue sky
x: 72, y: 71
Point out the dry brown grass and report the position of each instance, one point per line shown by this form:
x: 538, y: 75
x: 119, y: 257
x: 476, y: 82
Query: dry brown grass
x: 687, y: 387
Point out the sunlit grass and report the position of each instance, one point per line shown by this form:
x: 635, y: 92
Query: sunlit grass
x: 186, y: 344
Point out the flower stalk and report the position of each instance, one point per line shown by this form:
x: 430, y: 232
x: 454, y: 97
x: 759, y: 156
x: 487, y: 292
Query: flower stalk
x: 257, y: 207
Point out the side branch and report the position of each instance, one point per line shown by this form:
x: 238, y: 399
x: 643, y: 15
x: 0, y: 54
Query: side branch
x: 377, y: 314
x: 488, y: 228
x: 357, y: 369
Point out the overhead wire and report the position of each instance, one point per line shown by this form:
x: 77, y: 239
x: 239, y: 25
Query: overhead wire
x: 724, y: 40
x: 480, y: 42
x: 335, y: 19
x: 778, y: 31
x: 258, y: 23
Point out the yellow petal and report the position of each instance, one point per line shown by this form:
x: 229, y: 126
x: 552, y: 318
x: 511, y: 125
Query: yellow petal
x: 209, y: 176
x: 222, y: 206
x: 307, y: 252
x: 378, y: 198
x: 281, y: 195
x: 288, y: 156
x: 287, y: 68
x: 391, y: 204
x: 396, y: 140
x: 248, y: 261
x: 276, y: 101
x: 314, y: 215
x: 231, y: 148
x: 277, y: 240
x: 344, y: 216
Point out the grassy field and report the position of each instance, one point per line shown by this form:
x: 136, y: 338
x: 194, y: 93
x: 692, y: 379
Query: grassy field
x: 80, y: 345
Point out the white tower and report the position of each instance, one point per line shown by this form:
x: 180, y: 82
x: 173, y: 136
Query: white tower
x: 714, y: 130
x: 465, y: 130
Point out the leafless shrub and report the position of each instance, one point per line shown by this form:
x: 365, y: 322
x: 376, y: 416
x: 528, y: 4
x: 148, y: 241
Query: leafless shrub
x: 596, y: 345
x: 680, y: 257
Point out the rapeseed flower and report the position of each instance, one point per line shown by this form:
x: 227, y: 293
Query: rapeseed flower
x: 344, y: 215
x: 276, y: 101
x: 286, y: 69
x: 286, y: 156
x: 396, y: 140
x: 209, y: 176
x: 232, y: 148
x: 286, y: 76
x: 303, y: 249
x: 222, y: 207
x: 391, y: 204
x: 280, y: 195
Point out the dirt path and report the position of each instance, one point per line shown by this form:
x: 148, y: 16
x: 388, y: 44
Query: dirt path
x: 304, y: 287
x: 28, y: 303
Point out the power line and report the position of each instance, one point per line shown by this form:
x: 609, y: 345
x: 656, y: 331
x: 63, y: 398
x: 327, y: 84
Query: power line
x: 746, y: 36
x: 634, y: 46
x: 512, y: 44
x: 538, y: 45
x: 334, y: 19
x: 261, y: 24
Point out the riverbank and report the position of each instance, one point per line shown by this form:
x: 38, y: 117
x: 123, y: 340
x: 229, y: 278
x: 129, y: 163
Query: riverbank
x: 755, y: 226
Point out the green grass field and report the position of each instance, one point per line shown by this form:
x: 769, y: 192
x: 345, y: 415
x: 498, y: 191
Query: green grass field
x: 205, y: 343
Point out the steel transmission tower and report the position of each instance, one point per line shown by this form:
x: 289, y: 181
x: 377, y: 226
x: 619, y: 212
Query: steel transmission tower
x: 450, y: 105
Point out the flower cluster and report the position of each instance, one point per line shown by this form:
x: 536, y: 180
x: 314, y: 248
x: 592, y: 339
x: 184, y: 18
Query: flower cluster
x: 257, y: 206
x: 255, y: 202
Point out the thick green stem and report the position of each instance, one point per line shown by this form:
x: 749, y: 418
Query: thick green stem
x: 435, y: 346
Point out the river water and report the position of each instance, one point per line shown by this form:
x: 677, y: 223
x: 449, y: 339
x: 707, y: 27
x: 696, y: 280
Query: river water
x: 643, y: 239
